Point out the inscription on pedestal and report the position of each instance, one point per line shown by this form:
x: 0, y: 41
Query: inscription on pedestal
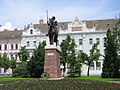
x: 50, y: 54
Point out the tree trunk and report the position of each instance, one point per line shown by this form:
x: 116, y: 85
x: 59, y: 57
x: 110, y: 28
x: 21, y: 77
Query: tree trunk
x: 5, y: 70
x: 88, y: 70
x: 79, y: 72
x: 64, y: 69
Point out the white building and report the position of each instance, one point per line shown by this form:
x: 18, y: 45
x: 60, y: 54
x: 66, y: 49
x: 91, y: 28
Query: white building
x: 85, y: 33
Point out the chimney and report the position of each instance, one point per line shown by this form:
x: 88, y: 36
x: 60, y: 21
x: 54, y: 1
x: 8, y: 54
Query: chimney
x: 15, y: 29
x: 5, y: 30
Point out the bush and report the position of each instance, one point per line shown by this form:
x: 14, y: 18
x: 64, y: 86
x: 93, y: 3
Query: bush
x: 64, y: 84
x: 45, y: 75
x: 21, y: 70
x: 36, y: 63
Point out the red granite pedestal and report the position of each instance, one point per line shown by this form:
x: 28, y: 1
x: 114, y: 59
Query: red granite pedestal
x: 52, y: 61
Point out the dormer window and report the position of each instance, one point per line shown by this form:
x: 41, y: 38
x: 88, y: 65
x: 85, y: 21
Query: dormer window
x: 62, y: 26
x: 31, y: 31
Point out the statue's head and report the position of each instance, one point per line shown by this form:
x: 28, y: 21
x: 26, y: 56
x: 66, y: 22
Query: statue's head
x: 53, y: 17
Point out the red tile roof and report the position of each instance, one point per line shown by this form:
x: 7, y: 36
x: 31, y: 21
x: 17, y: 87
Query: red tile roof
x: 11, y: 34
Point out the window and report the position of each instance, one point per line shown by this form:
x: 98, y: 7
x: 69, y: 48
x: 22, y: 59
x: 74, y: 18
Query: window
x: 34, y: 42
x: 62, y: 26
x: 16, y: 56
x: 5, y: 47
x: 28, y: 43
x: 12, y: 56
x: 105, y: 39
x: 0, y: 47
x: 90, y: 41
x: 80, y: 41
x: 98, y: 51
x: 98, y: 65
x: 80, y: 51
x: 92, y: 66
x: 11, y: 46
x: 97, y: 40
x: 16, y: 46
x: 55, y: 43
x: 31, y: 31
x: 0, y: 70
x: 91, y: 52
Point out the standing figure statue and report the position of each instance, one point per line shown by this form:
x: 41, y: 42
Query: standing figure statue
x: 52, y: 30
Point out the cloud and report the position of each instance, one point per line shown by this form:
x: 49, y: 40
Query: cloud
x: 7, y: 25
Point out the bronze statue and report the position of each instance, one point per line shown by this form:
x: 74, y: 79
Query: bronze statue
x: 52, y: 30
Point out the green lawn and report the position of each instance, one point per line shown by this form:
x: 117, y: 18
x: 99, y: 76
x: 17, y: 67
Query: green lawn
x: 4, y: 79
x: 98, y: 78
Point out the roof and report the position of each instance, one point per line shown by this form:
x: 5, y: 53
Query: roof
x: 103, y: 24
x: 11, y: 34
x: 44, y: 27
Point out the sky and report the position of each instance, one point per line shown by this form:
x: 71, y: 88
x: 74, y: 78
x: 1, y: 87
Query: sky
x: 18, y: 13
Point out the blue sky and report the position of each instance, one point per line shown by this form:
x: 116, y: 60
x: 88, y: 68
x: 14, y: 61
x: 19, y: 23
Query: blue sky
x: 23, y: 12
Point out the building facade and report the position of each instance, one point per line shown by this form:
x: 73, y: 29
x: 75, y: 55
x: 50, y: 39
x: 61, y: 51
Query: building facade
x: 10, y: 44
x: 85, y: 33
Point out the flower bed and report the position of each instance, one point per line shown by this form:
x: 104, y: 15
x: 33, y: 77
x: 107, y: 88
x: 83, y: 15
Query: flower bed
x: 64, y: 84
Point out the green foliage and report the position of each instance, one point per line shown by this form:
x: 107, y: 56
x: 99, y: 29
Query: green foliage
x: 94, y: 56
x: 6, y: 61
x: 64, y: 84
x: 21, y: 70
x: 7, y: 79
x: 79, y: 62
x: 96, y: 78
x: 13, y: 63
x: 111, y: 65
x: 64, y: 51
x: 23, y: 54
x: 73, y: 68
x: 68, y: 55
x: 1, y: 61
x: 36, y: 63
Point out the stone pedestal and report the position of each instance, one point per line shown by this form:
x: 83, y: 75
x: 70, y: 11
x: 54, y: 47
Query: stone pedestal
x: 52, y: 61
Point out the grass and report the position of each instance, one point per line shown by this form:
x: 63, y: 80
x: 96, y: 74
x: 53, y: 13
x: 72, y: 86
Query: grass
x: 97, y: 78
x: 5, y: 79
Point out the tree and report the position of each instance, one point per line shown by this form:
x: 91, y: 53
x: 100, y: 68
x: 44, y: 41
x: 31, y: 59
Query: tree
x: 117, y: 29
x: 111, y: 64
x: 21, y: 70
x: 13, y: 64
x: 1, y: 61
x: 68, y: 54
x: 23, y: 54
x: 6, y: 62
x: 72, y: 59
x: 78, y: 64
x: 94, y: 56
x: 36, y: 63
